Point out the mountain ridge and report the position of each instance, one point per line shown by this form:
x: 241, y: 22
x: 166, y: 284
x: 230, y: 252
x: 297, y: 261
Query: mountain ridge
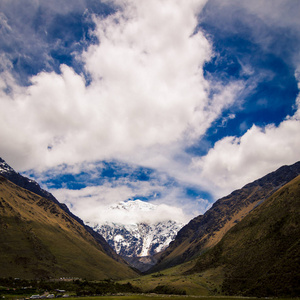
x: 205, y: 231
x: 140, y: 239
x: 257, y: 257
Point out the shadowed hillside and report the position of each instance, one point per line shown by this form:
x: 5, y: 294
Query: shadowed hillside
x: 38, y: 239
x: 260, y: 256
x: 205, y: 231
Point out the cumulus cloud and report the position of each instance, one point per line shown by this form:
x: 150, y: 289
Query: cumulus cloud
x: 93, y: 204
x: 37, y: 35
x: 147, y: 92
x: 147, y: 101
x: 235, y: 161
x: 155, y: 214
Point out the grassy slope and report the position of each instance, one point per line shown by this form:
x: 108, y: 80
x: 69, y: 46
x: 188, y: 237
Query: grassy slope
x: 209, y: 229
x: 37, y: 239
x: 261, y: 254
x: 206, y: 283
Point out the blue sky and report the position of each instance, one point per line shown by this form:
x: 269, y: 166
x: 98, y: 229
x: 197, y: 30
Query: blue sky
x: 173, y: 102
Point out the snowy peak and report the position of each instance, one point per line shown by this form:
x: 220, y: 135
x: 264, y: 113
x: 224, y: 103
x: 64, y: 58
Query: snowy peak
x: 5, y: 168
x: 136, y: 205
x: 137, y: 228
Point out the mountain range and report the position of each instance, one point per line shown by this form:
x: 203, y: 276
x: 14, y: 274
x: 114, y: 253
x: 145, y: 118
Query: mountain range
x: 247, y: 243
x: 258, y: 256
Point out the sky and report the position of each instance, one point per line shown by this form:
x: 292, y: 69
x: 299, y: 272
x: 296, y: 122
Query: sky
x: 176, y: 103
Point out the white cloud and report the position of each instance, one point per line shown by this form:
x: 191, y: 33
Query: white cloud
x: 159, y: 213
x: 234, y: 162
x: 273, y: 24
x: 147, y: 101
x: 92, y: 204
x: 147, y: 95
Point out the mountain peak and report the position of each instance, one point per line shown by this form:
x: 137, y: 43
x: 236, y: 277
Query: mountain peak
x: 136, y: 231
x: 140, y: 241
x: 4, y: 167
x: 134, y: 205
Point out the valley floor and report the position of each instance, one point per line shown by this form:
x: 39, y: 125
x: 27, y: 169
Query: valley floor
x: 207, y: 283
x: 164, y: 297
x: 175, y: 297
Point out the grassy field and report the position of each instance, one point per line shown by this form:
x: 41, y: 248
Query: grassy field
x: 164, y: 297
x: 207, y: 283
x: 156, y: 297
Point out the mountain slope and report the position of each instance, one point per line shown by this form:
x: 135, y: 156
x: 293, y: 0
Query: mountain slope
x: 205, y: 231
x: 38, y: 239
x: 31, y: 185
x: 260, y: 256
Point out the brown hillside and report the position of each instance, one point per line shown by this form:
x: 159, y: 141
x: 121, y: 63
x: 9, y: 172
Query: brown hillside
x: 39, y: 239
x: 9, y: 173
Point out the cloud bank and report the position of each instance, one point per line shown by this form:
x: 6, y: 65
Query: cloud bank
x: 236, y: 161
x: 142, y: 97
x: 94, y: 204
x: 144, y: 92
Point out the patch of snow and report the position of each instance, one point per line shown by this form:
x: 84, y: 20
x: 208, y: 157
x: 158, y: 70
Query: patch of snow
x: 118, y: 238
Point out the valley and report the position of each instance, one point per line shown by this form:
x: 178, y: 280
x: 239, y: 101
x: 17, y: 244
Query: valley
x: 106, y: 290
x: 246, y: 244
x: 150, y: 149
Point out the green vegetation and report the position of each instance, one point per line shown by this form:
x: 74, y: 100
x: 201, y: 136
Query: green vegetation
x: 258, y: 257
x: 159, y: 297
x: 206, y: 231
x: 104, y: 290
x: 207, y: 283
x: 178, y: 297
x: 11, y: 288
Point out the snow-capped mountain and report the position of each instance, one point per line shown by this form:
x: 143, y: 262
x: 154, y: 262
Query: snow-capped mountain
x: 4, y: 167
x: 138, y: 239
